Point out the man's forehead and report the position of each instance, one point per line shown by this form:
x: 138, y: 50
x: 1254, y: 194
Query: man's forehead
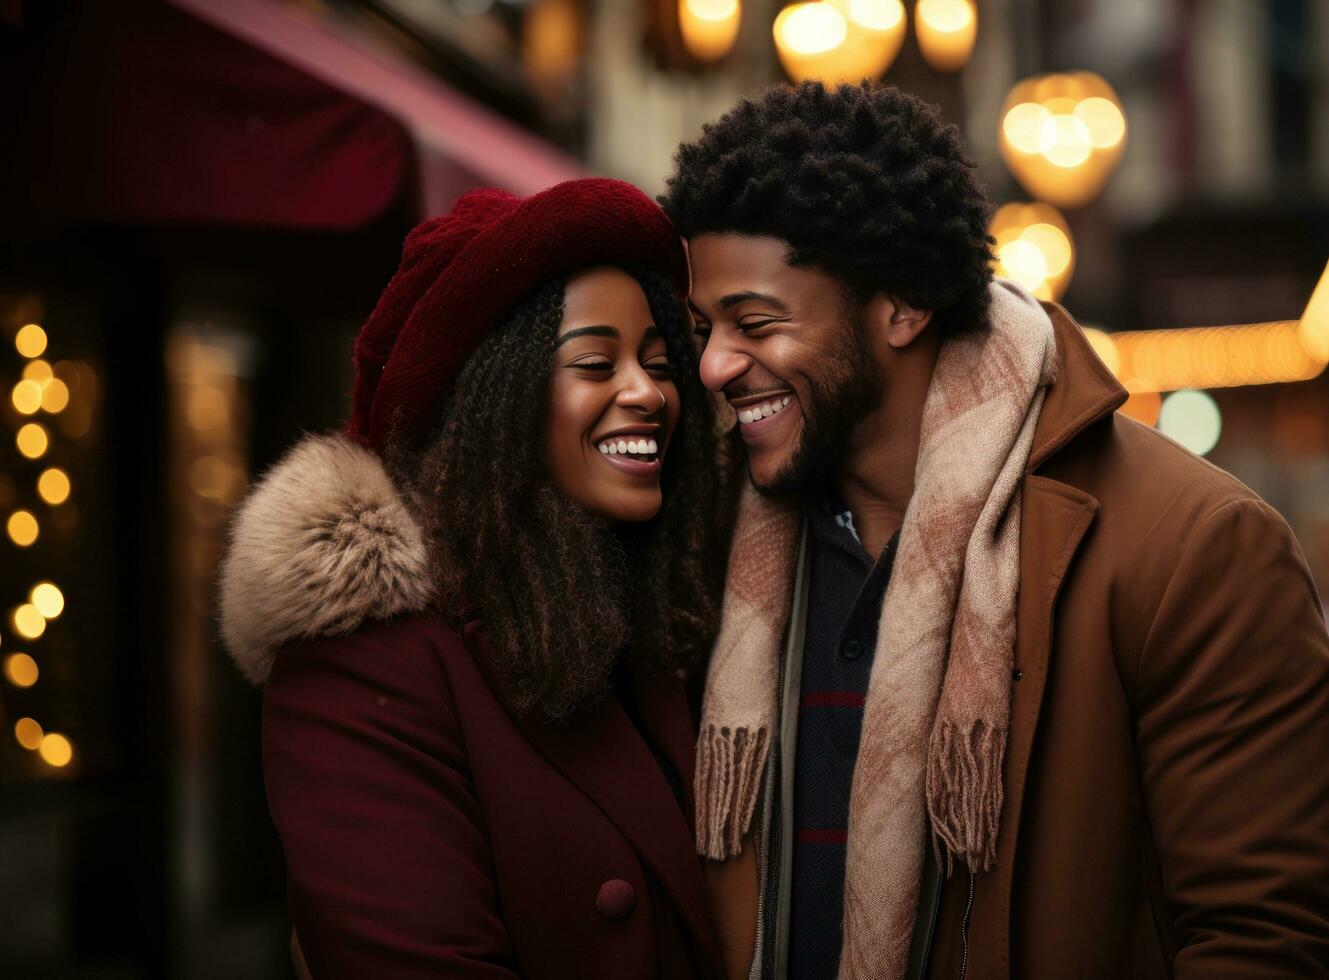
x: 726, y: 264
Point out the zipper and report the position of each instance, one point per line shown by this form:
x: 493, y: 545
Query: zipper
x: 964, y: 932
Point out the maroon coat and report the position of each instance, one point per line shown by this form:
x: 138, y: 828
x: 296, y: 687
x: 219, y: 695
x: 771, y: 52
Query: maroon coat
x: 429, y: 831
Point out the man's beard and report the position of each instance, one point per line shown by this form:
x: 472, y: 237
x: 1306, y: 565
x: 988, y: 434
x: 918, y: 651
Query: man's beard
x: 840, y: 396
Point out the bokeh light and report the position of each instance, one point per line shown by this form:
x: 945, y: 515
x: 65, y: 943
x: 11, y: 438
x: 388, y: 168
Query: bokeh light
x: 55, y: 396
x: 1313, y: 328
x: 1034, y: 248
x: 1191, y: 418
x: 709, y: 27
x: 55, y: 750
x: 1062, y: 136
x: 839, y: 40
x: 48, y: 599
x: 946, y: 31
x: 1144, y: 407
x: 26, y: 397
x: 22, y: 528
x: 28, y: 622
x: 38, y: 371
x: 53, y: 486
x: 32, y: 441
x: 30, y: 341
x: 28, y: 733
x: 21, y: 670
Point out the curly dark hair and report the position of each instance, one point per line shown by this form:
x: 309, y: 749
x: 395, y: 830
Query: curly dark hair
x: 864, y: 182
x: 563, y: 595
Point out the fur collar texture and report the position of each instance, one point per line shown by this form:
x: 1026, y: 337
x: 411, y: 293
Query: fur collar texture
x: 320, y: 545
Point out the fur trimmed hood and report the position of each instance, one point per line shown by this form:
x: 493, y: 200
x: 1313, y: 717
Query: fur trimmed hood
x: 321, y: 544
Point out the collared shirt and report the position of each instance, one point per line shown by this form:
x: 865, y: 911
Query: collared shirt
x: 846, y: 589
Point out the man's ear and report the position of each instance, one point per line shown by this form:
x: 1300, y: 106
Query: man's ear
x: 896, y: 320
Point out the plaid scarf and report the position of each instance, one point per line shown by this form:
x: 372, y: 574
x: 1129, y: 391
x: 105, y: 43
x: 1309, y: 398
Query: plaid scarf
x: 938, y: 701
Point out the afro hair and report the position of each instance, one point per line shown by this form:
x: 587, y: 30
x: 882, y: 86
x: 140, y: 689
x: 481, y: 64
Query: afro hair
x: 864, y: 182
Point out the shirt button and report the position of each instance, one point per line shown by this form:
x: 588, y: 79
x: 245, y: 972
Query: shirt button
x: 851, y: 649
x: 616, y: 899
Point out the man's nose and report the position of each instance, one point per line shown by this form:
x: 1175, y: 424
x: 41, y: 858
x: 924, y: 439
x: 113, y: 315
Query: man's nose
x: 721, y: 364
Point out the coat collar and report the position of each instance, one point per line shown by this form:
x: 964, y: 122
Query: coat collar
x: 1084, y: 391
x: 605, y: 756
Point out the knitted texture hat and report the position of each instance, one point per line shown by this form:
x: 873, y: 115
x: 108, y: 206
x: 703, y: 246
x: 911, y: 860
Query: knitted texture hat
x: 462, y: 272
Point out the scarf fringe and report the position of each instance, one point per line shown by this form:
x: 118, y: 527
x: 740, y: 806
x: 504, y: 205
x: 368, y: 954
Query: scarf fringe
x: 964, y: 793
x: 730, y: 763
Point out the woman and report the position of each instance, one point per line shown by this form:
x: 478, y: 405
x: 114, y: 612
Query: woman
x: 478, y: 606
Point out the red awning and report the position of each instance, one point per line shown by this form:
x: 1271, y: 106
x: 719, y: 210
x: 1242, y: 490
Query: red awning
x: 244, y: 112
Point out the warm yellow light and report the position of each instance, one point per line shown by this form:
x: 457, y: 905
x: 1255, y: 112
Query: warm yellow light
x: 1143, y: 407
x: 55, y: 397
x: 810, y: 28
x: 22, y: 528
x: 709, y: 27
x: 1054, y: 245
x: 1214, y: 357
x: 946, y: 31
x: 1024, y: 263
x: 21, y: 670
x: 55, y: 750
x: 38, y: 371
x: 27, y: 397
x: 1105, y: 348
x: 1023, y: 124
x: 1313, y: 329
x: 1062, y: 136
x: 53, y: 486
x: 32, y: 441
x: 1102, y: 120
x: 839, y: 41
x: 28, y: 732
x: 28, y: 622
x: 877, y: 15
x: 1064, y: 141
x: 48, y: 599
x: 30, y: 340
x: 1034, y: 248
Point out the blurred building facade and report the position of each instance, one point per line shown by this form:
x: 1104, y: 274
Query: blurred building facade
x: 207, y: 195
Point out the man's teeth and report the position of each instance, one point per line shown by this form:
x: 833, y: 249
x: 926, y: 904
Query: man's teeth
x: 632, y: 447
x: 763, y: 411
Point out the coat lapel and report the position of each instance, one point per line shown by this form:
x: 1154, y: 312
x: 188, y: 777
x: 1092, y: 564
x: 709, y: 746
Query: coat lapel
x: 1054, y: 518
x: 603, y: 754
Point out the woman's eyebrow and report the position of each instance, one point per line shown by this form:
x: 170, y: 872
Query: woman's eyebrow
x: 602, y: 330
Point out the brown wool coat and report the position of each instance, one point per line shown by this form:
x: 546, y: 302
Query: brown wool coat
x: 1166, y: 807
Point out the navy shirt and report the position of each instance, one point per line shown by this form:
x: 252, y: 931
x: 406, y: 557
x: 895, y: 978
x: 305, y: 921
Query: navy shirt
x: 846, y: 588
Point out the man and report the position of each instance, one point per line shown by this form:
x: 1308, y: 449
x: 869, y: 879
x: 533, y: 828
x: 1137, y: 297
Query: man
x: 1008, y: 684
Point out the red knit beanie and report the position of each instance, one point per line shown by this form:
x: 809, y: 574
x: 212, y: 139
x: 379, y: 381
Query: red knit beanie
x: 461, y: 274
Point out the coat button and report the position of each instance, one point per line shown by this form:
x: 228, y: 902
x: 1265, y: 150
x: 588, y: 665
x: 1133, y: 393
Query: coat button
x: 852, y: 649
x: 616, y: 898
x: 1017, y: 675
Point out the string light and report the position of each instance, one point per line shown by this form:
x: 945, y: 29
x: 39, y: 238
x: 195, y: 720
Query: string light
x: 21, y: 670
x: 30, y: 340
x: 23, y: 528
x: 1063, y: 135
x: 946, y: 31
x: 26, y: 397
x: 48, y: 599
x: 55, y: 750
x: 1034, y: 248
x: 28, y: 733
x: 709, y: 27
x: 1192, y: 419
x: 28, y: 622
x: 53, y: 486
x: 55, y: 396
x: 32, y: 441
x: 839, y: 41
x: 38, y: 371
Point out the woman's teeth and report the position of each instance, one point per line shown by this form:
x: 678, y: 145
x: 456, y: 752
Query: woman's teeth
x: 632, y: 447
x: 763, y: 411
